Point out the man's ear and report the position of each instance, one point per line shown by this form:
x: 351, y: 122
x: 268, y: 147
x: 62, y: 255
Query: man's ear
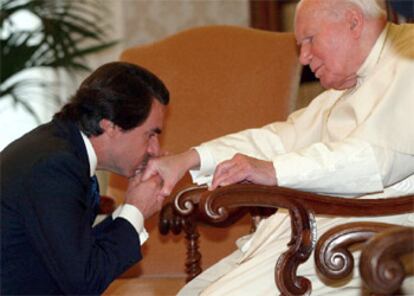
x: 108, y: 127
x: 355, y: 21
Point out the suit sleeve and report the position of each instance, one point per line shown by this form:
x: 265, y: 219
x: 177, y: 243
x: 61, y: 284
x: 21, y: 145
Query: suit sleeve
x: 101, y: 226
x: 58, y: 218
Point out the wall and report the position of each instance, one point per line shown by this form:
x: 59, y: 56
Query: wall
x: 146, y: 21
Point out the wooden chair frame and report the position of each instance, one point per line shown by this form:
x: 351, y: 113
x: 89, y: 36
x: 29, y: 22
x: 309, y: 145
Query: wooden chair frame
x: 196, y: 204
x: 381, y: 266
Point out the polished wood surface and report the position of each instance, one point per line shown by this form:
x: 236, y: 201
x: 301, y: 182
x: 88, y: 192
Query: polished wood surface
x: 387, y: 260
x: 384, y: 246
x: 333, y: 257
x: 216, y: 207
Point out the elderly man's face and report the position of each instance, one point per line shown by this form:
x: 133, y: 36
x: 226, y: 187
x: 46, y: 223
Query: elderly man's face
x: 327, y: 45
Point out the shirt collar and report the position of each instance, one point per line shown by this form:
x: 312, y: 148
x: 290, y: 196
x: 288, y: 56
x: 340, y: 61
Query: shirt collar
x: 93, y: 161
x: 374, y: 55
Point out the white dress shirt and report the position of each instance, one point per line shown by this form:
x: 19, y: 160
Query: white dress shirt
x: 126, y: 211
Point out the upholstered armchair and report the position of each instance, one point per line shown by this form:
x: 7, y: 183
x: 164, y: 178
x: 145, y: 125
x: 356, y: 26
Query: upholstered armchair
x: 221, y: 79
x: 195, y: 205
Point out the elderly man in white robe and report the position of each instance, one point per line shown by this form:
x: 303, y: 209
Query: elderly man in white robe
x: 355, y: 139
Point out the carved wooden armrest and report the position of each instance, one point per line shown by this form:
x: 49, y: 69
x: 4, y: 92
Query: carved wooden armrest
x: 234, y: 196
x: 185, y: 218
x: 380, y: 265
x: 215, y: 207
x: 333, y: 258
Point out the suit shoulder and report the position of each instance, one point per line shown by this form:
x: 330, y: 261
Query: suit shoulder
x: 43, y: 148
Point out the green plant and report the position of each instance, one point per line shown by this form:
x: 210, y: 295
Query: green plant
x: 67, y: 31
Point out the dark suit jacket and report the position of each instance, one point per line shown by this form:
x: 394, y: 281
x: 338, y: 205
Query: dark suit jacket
x: 48, y: 245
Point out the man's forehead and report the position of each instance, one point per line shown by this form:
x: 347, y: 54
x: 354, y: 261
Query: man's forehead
x: 303, y: 24
x: 310, y: 9
x: 310, y: 16
x: 155, y: 120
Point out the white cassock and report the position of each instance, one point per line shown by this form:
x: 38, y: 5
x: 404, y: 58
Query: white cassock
x: 353, y: 143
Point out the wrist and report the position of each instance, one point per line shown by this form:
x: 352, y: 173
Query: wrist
x: 191, y: 159
x: 274, y: 174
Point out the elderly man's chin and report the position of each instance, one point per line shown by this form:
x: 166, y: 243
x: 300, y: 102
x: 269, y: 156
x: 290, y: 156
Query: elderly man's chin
x: 337, y: 84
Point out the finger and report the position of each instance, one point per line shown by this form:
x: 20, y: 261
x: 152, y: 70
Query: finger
x: 222, y: 171
x: 231, y: 177
x: 160, y: 183
x: 157, y: 182
x: 150, y: 171
x: 224, y: 167
x: 160, y: 198
x: 167, y: 188
x: 217, y: 179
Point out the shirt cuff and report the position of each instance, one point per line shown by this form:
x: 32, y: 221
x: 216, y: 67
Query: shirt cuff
x: 116, y: 213
x: 133, y: 216
x: 204, y: 175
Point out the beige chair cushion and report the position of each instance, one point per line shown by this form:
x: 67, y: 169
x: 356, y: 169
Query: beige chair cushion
x: 221, y: 79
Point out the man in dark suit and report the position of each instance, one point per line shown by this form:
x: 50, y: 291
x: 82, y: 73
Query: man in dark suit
x: 49, y: 194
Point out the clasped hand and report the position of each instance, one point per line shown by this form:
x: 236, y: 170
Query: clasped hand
x: 145, y: 195
x: 241, y: 168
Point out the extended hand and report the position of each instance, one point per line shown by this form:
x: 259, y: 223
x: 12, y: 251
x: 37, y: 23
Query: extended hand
x: 145, y: 195
x: 171, y: 168
x: 242, y: 168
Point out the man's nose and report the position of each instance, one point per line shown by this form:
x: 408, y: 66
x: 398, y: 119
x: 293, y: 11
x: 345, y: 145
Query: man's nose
x: 305, y: 54
x: 154, y: 147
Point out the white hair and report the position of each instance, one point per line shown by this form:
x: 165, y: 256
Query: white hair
x: 370, y: 8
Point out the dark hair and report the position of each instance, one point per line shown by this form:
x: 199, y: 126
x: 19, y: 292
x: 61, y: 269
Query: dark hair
x: 120, y: 92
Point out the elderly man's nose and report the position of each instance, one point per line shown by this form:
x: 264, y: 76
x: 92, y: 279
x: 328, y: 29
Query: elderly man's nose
x: 305, y: 55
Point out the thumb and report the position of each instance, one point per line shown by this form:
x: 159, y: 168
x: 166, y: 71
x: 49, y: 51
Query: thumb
x: 148, y: 173
x: 167, y: 188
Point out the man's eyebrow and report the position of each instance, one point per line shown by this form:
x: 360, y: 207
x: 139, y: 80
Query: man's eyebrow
x: 156, y: 130
x: 298, y: 39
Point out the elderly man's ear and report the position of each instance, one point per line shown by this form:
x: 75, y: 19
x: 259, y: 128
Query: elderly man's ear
x: 355, y: 22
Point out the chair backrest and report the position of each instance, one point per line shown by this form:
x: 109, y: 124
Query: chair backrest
x: 221, y: 79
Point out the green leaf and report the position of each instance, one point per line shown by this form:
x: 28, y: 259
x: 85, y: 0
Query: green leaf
x: 70, y: 30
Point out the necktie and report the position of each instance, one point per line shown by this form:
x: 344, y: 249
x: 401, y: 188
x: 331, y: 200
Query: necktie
x: 95, y: 191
